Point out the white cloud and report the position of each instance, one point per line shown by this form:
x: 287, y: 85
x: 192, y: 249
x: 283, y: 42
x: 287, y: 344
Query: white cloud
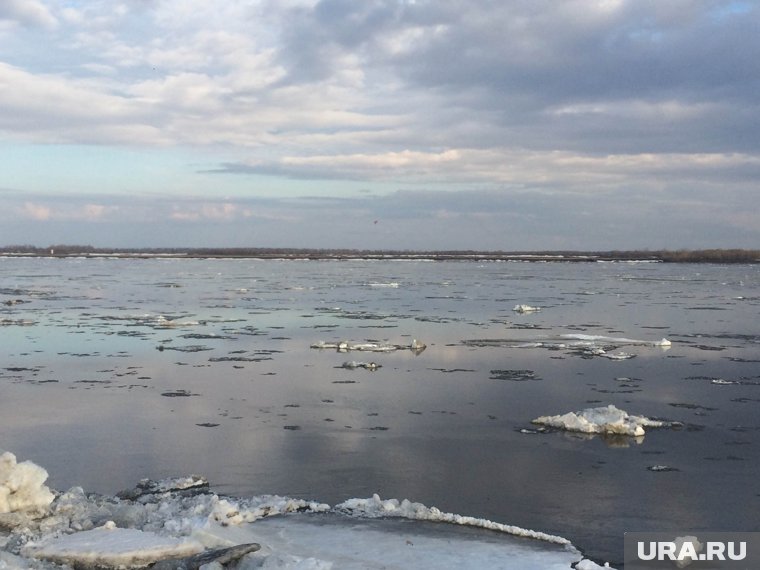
x: 57, y: 211
x: 34, y: 211
x: 27, y: 13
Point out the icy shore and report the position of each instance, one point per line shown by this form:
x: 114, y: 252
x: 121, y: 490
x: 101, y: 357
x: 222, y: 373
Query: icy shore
x: 179, y: 523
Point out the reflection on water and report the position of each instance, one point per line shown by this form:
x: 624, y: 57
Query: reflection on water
x: 115, y: 370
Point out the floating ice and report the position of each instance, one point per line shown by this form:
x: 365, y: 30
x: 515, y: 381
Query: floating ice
x: 594, y: 338
x: 526, y: 309
x: 721, y: 382
x: 18, y: 322
x: 22, y: 486
x: 661, y: 468
x: 346, y: 346
x: 391, y: 285
x: 583, y: 344
x: 605, y: 420
x: 616, y: 356
x: 353, y: 365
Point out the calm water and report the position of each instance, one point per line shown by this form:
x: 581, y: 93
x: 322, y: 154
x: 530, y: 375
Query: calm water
x: 114, y: 370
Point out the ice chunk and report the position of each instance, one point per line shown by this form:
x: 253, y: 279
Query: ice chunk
x: 353, y: 365
x: 525, y: 309
x: 111, y: 546
x: 346, y: 346
x: 192, y: 483
x: 22, y: 486
x: 605, y: 419
x: 617, y: 356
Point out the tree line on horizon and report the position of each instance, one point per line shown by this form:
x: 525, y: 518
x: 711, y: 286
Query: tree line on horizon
x: 666, y: 256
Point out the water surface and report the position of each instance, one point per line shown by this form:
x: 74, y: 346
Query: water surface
x: 112, y: 370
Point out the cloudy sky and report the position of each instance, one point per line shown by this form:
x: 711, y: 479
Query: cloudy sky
x: 412, y: 124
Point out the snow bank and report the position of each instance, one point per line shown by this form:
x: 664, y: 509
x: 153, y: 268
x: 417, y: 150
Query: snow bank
x: 22, y: 486
x: 605, y: 419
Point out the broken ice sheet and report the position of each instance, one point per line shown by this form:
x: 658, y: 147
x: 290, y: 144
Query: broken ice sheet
x: 110, y: 546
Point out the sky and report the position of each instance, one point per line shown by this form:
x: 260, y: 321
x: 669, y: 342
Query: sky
x: 381, y: 124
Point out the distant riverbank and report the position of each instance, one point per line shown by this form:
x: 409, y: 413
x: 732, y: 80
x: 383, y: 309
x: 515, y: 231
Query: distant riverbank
x: 659, y: 256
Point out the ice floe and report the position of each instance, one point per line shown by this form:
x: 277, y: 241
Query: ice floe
x: 601, y: 420
x: 584, y: 345
x: 596, y: 338
x: 160, y: 525
x: 347, y: 346
x: 353, y: 365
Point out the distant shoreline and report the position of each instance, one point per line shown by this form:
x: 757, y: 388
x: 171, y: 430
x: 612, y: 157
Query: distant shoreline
x: 642, y: 256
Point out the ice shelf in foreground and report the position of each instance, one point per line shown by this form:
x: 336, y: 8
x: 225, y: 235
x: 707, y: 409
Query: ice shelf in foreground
x: 160, y: 523
x: 605, y: 419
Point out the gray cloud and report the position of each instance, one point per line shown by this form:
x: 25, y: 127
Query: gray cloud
x: 619, y: 76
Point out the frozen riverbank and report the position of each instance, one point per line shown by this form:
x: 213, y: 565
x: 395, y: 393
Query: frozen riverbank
x: 179, y: 523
